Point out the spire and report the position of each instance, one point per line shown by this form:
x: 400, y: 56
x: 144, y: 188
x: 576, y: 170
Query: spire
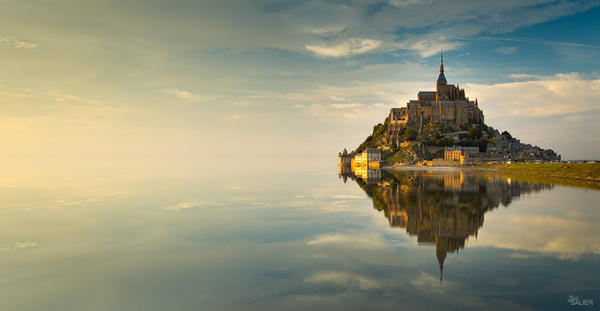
x: 442, y: 62
x: 441, y: 78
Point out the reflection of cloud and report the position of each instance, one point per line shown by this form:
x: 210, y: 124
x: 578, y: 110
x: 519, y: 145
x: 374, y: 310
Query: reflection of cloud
x: 348, y: 196
x: 543, y: 234
x: 371, y: 241
x: 13, y: 247
x: 522, y: 256
x: 427, y: 281
x: 343, y: 279
x: 70, y: 202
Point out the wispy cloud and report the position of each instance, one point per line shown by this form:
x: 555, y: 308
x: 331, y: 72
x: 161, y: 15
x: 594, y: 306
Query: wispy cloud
x: 401, y: 3
x: 189, y: 96
x: 346, y: 48
x: 426, y: 48
x: 16, y: 246
x: 191, y: 204
x: 535, y: 41
x: 507, y: 50
x: 182, y: 205
x: 14, y: 43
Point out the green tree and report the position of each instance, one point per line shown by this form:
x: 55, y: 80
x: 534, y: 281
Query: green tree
x: 482, y: 144
x: 507, y: 134
x: 409, y: 134
x: 475, y: 133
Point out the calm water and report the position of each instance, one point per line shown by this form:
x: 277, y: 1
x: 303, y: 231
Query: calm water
x: 411, y: 240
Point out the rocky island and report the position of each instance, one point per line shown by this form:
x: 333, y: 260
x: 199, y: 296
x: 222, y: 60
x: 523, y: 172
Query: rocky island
x: 440, y: 128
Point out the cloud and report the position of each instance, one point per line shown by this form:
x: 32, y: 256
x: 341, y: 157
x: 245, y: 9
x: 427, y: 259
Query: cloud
x: 182, y: 94
x: 346, y: 106
x: 574, y: 118
x: 335, y: 98
x: 343, y: 279
x: 426, y: 48
x: 409, y: 2
x: 182, y: 205
x: 507, y: 50
x: 547, y: 96
x: 524, y: 76
x: 15, y: 246
x: 347, y: 48
x: 14, y: 43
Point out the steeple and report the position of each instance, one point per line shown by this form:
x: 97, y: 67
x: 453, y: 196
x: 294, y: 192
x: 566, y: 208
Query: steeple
x: 442, y: 62
x: 441, y: 78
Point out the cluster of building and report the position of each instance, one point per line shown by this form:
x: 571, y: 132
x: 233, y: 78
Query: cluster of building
x: 503, y: 150
x: 365, y: 165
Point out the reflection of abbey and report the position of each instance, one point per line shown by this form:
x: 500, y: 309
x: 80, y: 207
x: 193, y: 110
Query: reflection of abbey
x: 446, y: 105
x: 441, y: 208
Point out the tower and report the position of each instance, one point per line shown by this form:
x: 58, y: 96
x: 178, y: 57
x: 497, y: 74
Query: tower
x: 442, y: 84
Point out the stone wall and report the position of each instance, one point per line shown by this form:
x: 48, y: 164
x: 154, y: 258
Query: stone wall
x: 445, y: 162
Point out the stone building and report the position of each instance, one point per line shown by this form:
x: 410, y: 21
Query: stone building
x: 455, y: 152
x: 369, y: 158
x: 446, y: 105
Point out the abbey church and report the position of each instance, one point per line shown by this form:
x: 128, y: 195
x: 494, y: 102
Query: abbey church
x: 447, y: 105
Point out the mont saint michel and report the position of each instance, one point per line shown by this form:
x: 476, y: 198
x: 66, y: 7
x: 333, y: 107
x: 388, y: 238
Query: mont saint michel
x: 441, y: 128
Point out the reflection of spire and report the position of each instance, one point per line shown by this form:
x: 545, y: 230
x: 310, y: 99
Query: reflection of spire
x: 441, y: 257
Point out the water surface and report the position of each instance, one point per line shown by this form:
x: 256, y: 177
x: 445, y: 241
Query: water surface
x: 432, y: 240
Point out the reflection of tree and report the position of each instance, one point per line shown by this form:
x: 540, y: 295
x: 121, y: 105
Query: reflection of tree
x: 442, y: 208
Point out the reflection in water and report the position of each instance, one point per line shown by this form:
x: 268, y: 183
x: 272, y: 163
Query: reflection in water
x: 441, y: 207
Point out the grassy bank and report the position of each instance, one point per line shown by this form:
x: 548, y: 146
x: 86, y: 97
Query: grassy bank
x: 587, y: 171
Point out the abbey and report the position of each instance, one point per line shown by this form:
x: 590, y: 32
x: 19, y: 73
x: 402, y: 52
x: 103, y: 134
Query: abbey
x: 447, y: 105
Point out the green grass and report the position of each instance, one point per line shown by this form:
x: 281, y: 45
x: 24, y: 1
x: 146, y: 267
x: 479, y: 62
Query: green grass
x: 565, y: 170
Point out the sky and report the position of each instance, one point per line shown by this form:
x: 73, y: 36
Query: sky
x: 181, y: 85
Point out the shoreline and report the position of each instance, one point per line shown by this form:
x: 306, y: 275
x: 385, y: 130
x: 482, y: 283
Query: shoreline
x: 546, y: 171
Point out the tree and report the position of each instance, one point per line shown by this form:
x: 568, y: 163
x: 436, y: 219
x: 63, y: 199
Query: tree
x: 507, y: 134
x: 409, y: 134
x: 482, y: 144
x: 475, y: 133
